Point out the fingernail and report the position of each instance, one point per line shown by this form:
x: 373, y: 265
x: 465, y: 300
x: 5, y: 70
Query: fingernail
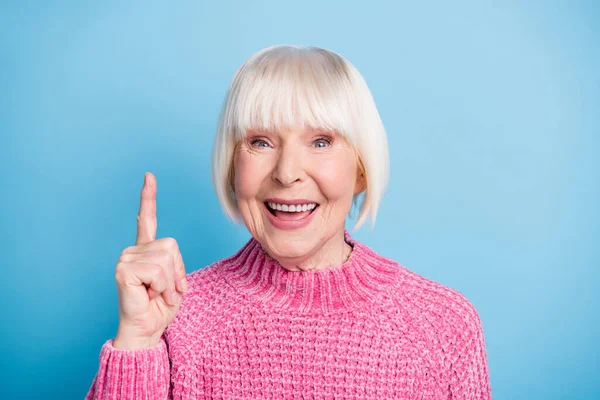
x: 184, y: 285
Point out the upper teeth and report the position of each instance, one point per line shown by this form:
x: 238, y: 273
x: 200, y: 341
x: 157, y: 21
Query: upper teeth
x: 292, y: 208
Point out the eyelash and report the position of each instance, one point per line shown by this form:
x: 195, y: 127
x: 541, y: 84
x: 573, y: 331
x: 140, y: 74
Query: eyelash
x: 327, y: 140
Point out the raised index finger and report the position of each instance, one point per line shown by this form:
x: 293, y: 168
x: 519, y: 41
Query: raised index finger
x: 146, y: 220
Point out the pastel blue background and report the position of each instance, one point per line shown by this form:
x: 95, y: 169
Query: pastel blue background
x: 492, y: 113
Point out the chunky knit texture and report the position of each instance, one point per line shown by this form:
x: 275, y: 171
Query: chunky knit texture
x: 366, y: 329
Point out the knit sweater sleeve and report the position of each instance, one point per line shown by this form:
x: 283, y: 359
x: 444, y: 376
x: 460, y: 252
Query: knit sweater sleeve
x: 132, y: 374
x: 468, y: 373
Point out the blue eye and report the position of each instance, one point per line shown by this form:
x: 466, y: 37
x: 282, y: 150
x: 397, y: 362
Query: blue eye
x: 323, y: 140
x: 253, y: 142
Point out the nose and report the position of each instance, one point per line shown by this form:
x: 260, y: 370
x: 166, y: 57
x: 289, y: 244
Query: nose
x: 289, y: 166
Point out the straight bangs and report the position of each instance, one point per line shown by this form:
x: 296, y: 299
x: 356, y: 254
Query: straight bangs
x: 292, y: 88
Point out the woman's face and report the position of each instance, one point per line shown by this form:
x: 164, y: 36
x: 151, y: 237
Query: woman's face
x: 296, y: 166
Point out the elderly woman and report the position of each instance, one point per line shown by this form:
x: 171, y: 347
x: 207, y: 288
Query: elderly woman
x: 302, y: 310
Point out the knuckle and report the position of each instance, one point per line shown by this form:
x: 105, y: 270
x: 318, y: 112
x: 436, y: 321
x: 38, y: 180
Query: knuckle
x: 125, y: 257
x: 156, y: 271
x: 171, y: 243
x: 129, y: 249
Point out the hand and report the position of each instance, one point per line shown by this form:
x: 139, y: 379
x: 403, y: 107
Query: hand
x: 150, y: 279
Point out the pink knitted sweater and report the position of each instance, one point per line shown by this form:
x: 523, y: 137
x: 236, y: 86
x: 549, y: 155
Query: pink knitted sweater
x: 248, y: 328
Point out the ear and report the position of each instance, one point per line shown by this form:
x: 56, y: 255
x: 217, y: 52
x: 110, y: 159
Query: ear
x: 361, y: 182
x: 361, y: 177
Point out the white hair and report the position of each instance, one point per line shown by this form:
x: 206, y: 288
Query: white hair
x: 286, y: 86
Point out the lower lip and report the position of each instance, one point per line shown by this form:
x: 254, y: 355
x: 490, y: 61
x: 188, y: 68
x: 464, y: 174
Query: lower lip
x: 287, y: 225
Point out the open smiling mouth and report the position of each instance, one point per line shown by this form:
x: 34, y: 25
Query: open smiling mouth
x: 290, y: 215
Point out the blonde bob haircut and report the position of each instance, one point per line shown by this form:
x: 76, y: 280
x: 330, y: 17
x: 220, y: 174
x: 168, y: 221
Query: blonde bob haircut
x: 290, y: 86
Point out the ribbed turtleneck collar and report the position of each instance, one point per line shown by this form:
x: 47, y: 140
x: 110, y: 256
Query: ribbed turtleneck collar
x: 363, y: 277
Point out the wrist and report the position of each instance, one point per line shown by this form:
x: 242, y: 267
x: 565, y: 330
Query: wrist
x: 123, y: 341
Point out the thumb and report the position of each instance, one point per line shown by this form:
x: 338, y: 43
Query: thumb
x: 146, y: 220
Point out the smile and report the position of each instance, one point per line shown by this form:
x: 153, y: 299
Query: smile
x: 286, y: 217
x: 291, y: 207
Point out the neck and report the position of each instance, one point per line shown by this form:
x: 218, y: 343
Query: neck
x: 334, y: 252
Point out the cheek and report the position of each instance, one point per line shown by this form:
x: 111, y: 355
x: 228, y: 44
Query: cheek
x: 247, y: 177
x: 336, y: 179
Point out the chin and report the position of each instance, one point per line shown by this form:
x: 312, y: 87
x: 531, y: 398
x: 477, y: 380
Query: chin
x: 285, y: 248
